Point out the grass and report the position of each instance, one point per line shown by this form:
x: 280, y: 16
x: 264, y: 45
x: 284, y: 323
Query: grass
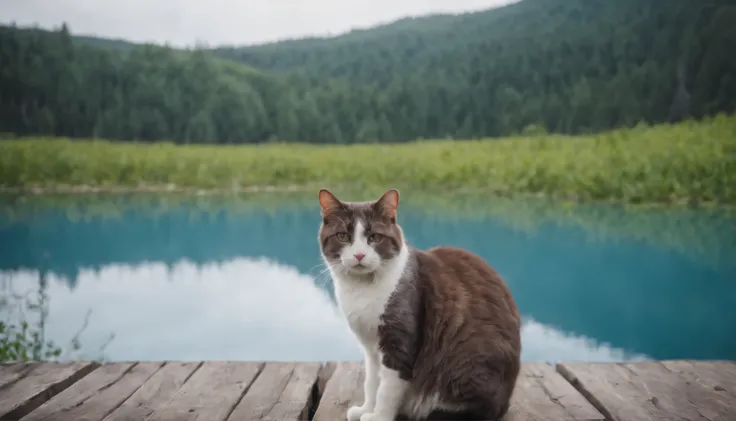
x: 687, y: 162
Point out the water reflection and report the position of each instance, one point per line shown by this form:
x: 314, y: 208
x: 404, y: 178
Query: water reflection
x: 177, y: 282
x: 241, y: 309
x: 545, y: 343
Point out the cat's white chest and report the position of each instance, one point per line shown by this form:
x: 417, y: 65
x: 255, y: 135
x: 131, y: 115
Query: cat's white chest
x: 362, y: 304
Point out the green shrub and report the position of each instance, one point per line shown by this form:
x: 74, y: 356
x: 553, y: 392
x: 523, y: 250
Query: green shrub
x: 19, y: 340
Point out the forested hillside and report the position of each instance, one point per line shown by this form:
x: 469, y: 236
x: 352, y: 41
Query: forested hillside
x: 570, y: 65
x: 566, y: 66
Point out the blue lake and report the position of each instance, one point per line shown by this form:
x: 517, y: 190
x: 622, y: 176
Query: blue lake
x: 152, y: 277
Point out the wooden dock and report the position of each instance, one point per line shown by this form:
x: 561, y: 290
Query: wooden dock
x: 238, y: 391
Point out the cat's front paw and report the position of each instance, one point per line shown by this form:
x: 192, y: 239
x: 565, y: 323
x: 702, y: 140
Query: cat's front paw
x: 355, y: 413
x: 374, y: 417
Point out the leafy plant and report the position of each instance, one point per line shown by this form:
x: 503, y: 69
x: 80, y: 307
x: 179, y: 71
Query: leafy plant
x: 19, y: 340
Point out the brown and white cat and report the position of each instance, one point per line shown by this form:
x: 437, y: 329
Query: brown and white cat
x: 439, y: 329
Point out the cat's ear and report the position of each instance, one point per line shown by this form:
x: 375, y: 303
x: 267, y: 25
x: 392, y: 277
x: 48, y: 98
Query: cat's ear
x: 389, y: 203
x: 328, y: 201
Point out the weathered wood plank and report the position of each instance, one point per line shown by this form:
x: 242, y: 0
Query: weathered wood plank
x: 155, y: 393
x: 679, y: 396
x: 10, y: 372
x: 238, y: 391
x: 324, y: 375
x: 541, y: 394
x: 263, y: 392
x: 96, y: 395
x: 211, y: 392
x: 647, y: 391
x: 297, y: 398
x: 33, y: 384
x: 343, y: 389
x: 717, y: 375
x: 283, y: 391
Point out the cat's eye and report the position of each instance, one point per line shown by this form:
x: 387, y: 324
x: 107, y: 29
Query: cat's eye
x: 343, y: 237
x: 375, y: 238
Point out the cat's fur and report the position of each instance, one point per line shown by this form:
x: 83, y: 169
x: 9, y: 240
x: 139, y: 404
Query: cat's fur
x: 439, y: 328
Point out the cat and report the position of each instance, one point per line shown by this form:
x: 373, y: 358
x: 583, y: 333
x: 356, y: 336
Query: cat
x: 439, y: 329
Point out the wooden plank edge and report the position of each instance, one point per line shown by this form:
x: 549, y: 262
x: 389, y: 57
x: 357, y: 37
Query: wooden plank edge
x: 52, y: 390
x: 22, y: 370
x: 325, y: 373
x: 134, y: 364
x: 146, y: 401
x: 318, y: 388
x: 310, y: 406
x: 261, y: 365
x: 291, y: 392
x: 577, y: 384
x: 313, y: 393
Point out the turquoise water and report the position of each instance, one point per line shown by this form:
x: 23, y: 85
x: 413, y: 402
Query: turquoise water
x: 159, y: 278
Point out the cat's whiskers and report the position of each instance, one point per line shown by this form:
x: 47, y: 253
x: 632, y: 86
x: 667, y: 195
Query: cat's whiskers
x: 322, y: 278
x: 317, y: 266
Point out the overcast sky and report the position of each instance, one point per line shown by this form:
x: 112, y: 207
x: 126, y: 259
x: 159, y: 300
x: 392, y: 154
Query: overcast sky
x: 182, y: 22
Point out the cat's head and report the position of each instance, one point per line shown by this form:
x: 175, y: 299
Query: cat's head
x: 359, y: 238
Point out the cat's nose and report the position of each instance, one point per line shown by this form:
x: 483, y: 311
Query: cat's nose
x: 359, y: 256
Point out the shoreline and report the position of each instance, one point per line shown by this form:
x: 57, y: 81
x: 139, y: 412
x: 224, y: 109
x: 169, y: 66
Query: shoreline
x: 684, y: 229
x: 305, y: 188
x: 153, y: 188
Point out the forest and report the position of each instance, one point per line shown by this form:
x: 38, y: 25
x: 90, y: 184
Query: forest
x: 537, y: 66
